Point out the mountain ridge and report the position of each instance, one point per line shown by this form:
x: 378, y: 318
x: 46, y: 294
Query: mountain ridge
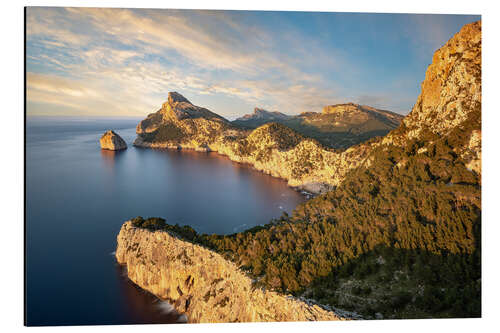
x: 337, y: 126
x: 260, y: 113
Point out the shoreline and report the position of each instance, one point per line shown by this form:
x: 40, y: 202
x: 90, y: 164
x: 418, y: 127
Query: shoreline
x: 307, y: 194
x: 310, y: 190
x: 201, y: 284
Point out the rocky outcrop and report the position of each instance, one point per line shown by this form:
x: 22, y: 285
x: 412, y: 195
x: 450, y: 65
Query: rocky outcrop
x: 472, y: 152
x: 356, y: 113
x: 112, y: 141
x: 176, y: 108
x: 263, y: 115
x: 450, y: 98
x: 272, y: 148
x: 452, y: 85
x: 201, y: 283
x: 340, y: 108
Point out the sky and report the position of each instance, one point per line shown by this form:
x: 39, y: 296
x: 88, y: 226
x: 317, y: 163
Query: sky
x: 123, y: 62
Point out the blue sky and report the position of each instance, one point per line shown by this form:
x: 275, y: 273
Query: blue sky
x: 123, y: 62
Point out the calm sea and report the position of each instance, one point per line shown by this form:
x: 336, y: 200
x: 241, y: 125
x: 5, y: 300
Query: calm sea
x: 78, y: 196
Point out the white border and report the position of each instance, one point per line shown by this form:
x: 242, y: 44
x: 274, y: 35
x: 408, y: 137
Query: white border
x: 12, y: 201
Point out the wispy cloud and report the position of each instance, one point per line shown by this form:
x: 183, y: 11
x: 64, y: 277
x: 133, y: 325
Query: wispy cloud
x: 149, y: 52
x: 124, y: 61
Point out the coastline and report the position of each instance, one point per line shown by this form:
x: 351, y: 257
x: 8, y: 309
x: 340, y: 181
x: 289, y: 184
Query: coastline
x: 308, y: 194
x: 308, y: 189
x: 203, y: 285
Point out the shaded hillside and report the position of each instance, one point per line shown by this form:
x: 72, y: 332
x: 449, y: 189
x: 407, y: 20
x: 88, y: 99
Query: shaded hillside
x: 338, y: 126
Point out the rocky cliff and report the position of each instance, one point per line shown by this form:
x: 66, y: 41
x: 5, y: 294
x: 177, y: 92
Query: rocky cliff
x: 358, y: 114
x: 260, y: 117
x: 201, y: 283
x: 112, y: 141
x: 175, y: 109
x: 272, y: 148
x: 450, y: 98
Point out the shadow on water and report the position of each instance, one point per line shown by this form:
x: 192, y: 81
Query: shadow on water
x: 143, y: 307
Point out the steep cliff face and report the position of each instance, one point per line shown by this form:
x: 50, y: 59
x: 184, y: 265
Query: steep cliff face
x: 450, y: 98
x: 201, y: 283
x: 175, y: 109
x: 112, y: 141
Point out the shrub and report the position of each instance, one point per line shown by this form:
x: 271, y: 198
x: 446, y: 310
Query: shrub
x: 137, y: 221
x: 152, y: 223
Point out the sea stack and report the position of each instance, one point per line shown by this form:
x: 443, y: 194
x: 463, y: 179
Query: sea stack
x: 112, y: 141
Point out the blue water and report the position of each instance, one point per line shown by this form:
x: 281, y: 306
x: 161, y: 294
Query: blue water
x: 78, y: 196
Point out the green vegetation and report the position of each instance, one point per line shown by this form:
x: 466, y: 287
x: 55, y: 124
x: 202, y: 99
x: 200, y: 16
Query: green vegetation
x: 152, y: 223
x: 165, y: 132
x: 277, y: 135
x: 203, y: 130
x: 400, y: 237
x: 245, y: 148
x: 157, y: 223
x: 331, y: 130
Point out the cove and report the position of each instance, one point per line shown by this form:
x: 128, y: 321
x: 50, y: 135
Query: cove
x: 78, y: 196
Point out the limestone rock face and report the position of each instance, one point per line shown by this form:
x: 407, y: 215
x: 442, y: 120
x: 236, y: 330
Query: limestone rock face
x: 201, y: 283
x: 340, y: 108
x: 261, y: 114
x: 112, y: 141
x: 452, y: 86
x: 450, y: 95
x: 175, y: 109
x: 273, y: 149
x: 360, y: 113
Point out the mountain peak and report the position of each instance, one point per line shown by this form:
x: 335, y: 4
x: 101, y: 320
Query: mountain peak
x: 340, y: 108
x: 263, y: 115
x: 175, y: 97
x: 451, y: 90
